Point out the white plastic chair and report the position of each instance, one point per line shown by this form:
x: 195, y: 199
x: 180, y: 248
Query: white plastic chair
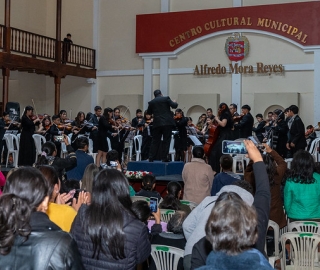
x: 288, y: 160
x: 90, y: 150
x: 172, y: 151
x: 304, y: 226
x: 276, y: 232
x: 64, y: 151
x: 39, y: 140
x: 166, y: 257
x: 9, y: 138
x: 109, y: 144
x: 314, y: 149
x: 139, y: 198
x: 137, y: 144
x: 303, y: 251
x: 191, y: 204
x: 166, y: 214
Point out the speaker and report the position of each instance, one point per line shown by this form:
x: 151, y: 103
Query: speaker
x: 13, y: 108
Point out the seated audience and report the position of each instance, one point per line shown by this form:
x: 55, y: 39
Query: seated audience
x: 226, y: 176
x: 83, y: 159
x: 172, y: 199
x: 148, y: 184
x: 232, y: 229
x: 194, y: 225
x: 49, y: 157
x: 29, y: 240
x: 173, y: 237
x: 197, y: 177
x: 302, y: 188
x: 276, y: 168
x: 58, y: 212
x: 87, y: 180
x: 2, y: 181
x: 108, y: 234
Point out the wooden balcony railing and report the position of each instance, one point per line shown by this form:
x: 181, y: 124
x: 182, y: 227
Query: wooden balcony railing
x: 38, y: 46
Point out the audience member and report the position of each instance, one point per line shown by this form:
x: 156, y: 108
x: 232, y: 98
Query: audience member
x: 173, y: 237
x: 232, y: 229
x: 172, y: 199
x: 276, y: 168
x: 197, y: 177
x: 58, y: 212
x: 49, y: 157
x: 226, y: 176
x: 147, y: 187
x: 29, y: 240
x: 83, y: 159
x: 2, y: 181
x: 89, y: 174
x: 302, y: 188
x: 194, y: 225
x: 108, y: 233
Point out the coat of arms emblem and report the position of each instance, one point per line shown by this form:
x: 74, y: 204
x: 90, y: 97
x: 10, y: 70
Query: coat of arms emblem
x: 237, y: 47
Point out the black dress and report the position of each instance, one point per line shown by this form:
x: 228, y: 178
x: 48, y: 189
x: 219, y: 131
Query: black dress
x: 225, y: 133
x: 27, y: 149
x: 103, y: 127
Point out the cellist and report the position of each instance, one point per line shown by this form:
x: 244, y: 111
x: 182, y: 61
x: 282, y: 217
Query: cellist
x: 224, y: 123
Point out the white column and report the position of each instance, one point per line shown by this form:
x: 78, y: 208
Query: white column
x: 147, y: 81
x: 165, y: 5
x: 236, y: 91
x: 96, y: 29
x: 237, y: 3
x: 164, y: 76
x: 316, y: 87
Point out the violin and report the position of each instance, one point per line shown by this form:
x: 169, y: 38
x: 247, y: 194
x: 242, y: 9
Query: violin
x: 112, y: 122
x: 238, y: 118
x: 177, y: 117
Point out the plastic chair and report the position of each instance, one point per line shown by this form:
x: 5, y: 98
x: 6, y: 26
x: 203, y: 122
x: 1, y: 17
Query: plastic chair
x: 288, y: 160
x: 166, y: 257
x: 64, y: 151
x: 166, y: 214
x: 137, y: 144
x: 90, y: 151
x: 191, y: 204
x: 172, y: 151
x: 9, y: 138
x: 109, y: 144
x: 39, y: 140
x: 314, y: 149
x: 152, y: 222
x: 304, y: 226
x: 276, y: 231
x: 139, y: 198
x: 303, y: 250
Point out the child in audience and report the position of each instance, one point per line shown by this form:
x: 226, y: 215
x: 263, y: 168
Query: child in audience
x: 148, y: 185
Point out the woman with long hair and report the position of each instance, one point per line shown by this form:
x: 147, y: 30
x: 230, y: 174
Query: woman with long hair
x: 224, y: 123
x: 172, y: 200
x: 302, y: 188
x: 27, y: 149
x: 180, y: 137
x: 44, y: 128
x: 108, y: 233
x: 29, y: 240
x: 89, y: 174
x: 49, y: 157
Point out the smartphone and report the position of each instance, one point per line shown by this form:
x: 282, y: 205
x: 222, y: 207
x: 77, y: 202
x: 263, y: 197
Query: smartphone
x: 153, y: 204
x: 58, y: 138
x: 256, y: 142
x: 72, y: 192
x: 233, y: 147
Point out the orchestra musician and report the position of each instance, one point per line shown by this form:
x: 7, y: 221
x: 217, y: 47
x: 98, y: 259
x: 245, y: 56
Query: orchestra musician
x: 259, y: 130
x: 3, y: 127
x: 44, y: 128
x: 279, y: 133
x: 27, y: 149
x: 224, y: 122
x: 135, y: 121
x: 56, y: 129
x: 146, y: 126
x: 210, y: 114
x: 201, y: 121
x: 233, y: 109
x: 94, y: 119
x: 310, y: 135
x: 191, y: 130
x: 234, y: 113
x: 246, y: 123
x: 180, y: 137
x: 105, y: 125
x: 64, y: 120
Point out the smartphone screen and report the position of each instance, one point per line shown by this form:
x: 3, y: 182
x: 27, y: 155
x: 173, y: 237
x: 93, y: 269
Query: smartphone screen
x: 153, y: 204
x: 233, y: 147
x: 72, y: 192
x: 58, y: 138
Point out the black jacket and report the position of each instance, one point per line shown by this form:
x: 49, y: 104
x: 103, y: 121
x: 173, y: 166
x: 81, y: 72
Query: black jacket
x: 48, y: 247
x: 160, y: 108
x: 262, y: 199
x: 245, y: 126
x: 137, y: 245
x: 297, y: 134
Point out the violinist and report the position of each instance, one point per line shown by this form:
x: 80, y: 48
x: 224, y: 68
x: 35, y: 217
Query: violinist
x: 105, y: 126
x: 134, y: 122
x: 259, y: 130
x: 3, y: 120
x: 224, y: 123
x: 201, y: 121
x: 147, y: 131
x: 64, y: 120
x: 44, y: 128
x: 180, y: 137
x: 191, y: 130
x: 56, y: 129
x: 210, y: 114
x: 27, y: 150
x: 94, y: 118
x: 246, y: 123
x: 235, y: 116
x: 310, y: 135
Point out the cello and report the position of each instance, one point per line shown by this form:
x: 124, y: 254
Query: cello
x: 214, y: 132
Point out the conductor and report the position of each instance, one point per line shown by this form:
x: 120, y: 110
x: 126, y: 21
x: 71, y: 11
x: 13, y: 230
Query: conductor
x: 163, y: 124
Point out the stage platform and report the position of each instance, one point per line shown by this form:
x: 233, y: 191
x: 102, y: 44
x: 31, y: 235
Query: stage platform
x: 164, y: 172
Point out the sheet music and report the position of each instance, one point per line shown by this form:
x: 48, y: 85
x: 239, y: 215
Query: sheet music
x: 195, y: 140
